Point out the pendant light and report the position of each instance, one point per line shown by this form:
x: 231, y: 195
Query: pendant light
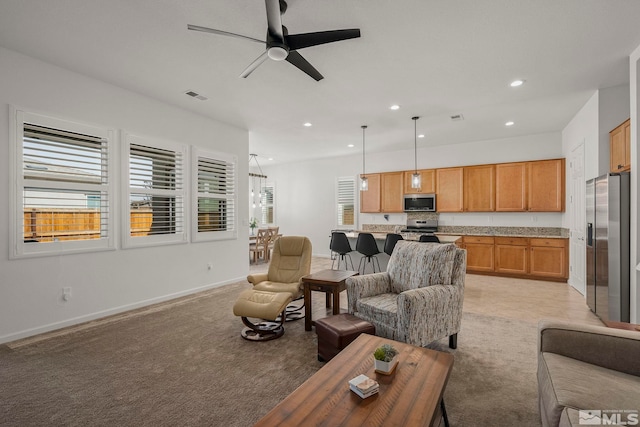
x: 416, y: 179
x: 364, y: 181
x: 260, y: 176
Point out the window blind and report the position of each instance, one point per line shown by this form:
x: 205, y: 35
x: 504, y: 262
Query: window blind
x: 267, y: 206
x: 346, y: 201
x: 216, y: 195
x: 65, y: 194
x: 156, y: 205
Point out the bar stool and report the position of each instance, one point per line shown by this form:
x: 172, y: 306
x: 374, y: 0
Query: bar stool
x: 367, y: 246
x: 340, y: 245
x: 429, y: 238
x: 390, y: 242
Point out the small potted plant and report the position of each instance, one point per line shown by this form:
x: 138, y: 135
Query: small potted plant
x: 253, y: 224
x: 385, y: 359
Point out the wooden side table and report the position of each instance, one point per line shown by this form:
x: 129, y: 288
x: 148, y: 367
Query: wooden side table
x: 331, y: 282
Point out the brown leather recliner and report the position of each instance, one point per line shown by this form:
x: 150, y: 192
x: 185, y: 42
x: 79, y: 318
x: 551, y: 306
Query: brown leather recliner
x: 290, y: 261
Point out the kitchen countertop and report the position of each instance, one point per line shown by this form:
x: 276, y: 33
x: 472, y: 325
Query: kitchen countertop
x: 491, y: 231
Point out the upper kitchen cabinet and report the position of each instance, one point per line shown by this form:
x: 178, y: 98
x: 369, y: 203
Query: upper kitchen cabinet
x: 545, y: 186
x: 391, y: 193
x: 479, y: 188
x: 511, y: 187
x: 620, y: 148
x: 449, y: 193
x: 370, y: 199
x: 427, y: 182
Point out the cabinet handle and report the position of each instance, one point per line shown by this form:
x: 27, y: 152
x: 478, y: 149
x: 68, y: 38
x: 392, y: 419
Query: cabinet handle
x: 620, y: 166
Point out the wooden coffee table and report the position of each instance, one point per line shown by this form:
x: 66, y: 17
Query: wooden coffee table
x: 331, y: 282
x: 412, y: 396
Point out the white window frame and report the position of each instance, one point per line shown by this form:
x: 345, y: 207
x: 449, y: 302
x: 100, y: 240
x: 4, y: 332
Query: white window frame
x: 181, y: 194
x: 355, y: 203
x: 18, y: 248
x: 231, y: 198
x: 265, y: 204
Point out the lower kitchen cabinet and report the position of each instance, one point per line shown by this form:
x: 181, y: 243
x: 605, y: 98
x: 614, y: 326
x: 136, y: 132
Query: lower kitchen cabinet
x: 548, y: 258
x: 511, y: 255
x: 535, y: 258
x: 480, y: 253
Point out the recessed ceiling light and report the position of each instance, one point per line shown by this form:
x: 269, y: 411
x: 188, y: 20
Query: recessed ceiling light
x: 421, y: 136
x: 516, y: 83
x: 270, y: 158
x: 395, y: 107
x: 307, y: 124
x: 509, y: 124
x: 350, y: 145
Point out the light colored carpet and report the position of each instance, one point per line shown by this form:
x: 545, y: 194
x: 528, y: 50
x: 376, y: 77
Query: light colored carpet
x: 184, y: 363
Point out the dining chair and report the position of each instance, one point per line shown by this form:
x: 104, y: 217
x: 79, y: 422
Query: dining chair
x: 261, y: 246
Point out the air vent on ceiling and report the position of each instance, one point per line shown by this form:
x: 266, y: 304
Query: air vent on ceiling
x: 196, y: 95
x: 457, y: 117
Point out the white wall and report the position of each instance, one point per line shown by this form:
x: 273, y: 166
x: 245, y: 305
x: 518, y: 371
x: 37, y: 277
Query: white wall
x: 583, y: 128
x: 106, y: 282
x: 312, y: 211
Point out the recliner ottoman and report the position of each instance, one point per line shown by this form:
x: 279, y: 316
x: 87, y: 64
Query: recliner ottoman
x: 337, y: 332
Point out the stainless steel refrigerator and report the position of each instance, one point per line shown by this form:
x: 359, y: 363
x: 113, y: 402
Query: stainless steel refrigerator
x: 607, y: 205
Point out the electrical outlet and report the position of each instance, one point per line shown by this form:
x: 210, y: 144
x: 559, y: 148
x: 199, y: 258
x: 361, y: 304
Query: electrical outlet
x: 66, y: 294
x: 209, y: 266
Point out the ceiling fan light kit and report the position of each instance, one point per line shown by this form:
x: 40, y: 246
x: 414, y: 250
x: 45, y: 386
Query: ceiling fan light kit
x: 281, y: 46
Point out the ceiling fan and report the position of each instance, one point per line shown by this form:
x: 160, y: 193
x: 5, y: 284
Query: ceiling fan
x: 280, y: 45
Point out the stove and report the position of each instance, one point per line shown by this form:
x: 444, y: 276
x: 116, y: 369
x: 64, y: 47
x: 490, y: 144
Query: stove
x: 421, y: 226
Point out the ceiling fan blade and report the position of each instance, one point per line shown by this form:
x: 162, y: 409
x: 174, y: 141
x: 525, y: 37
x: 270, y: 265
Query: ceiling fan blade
x: 296, y: 59
x: 274, y: 20
x: 222, y: 33
x: 259, y: 60
x: 300, y: 41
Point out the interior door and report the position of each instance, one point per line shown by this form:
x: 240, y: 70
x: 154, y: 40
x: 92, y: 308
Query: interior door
x: 577, y: 208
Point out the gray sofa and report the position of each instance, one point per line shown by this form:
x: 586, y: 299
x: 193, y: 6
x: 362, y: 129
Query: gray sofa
x: 589, y: 369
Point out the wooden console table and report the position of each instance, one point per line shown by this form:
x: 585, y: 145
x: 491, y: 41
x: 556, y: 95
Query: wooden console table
x: 411, y: 396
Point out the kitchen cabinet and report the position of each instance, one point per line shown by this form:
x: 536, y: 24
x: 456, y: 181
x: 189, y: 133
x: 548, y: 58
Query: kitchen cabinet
x: 620, y: 147
x: 548, y: 258
x: 512, y: 255
x: 511, y: 187
x: 427, y: 183
x: 449, y: 193
x: 480, y: 253
x: 370, y: 199
x: 479, y: 187
x: 545, y: 186
x: 391, y: 192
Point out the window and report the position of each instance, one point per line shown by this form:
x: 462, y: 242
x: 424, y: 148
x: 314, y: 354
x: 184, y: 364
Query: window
x: 63, y: 187
x: 154, y: 192
x: 267, y: 204
x: 345, y: 199
x: 214, y: 196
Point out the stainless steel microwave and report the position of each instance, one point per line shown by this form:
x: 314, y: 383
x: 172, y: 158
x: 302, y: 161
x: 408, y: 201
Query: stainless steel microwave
x: 419, y: 202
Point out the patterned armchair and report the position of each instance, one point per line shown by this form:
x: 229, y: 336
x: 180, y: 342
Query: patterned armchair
x: 418, y: 299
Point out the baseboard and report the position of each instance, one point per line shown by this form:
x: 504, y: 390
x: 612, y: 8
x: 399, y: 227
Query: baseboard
x: 76, y: 321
